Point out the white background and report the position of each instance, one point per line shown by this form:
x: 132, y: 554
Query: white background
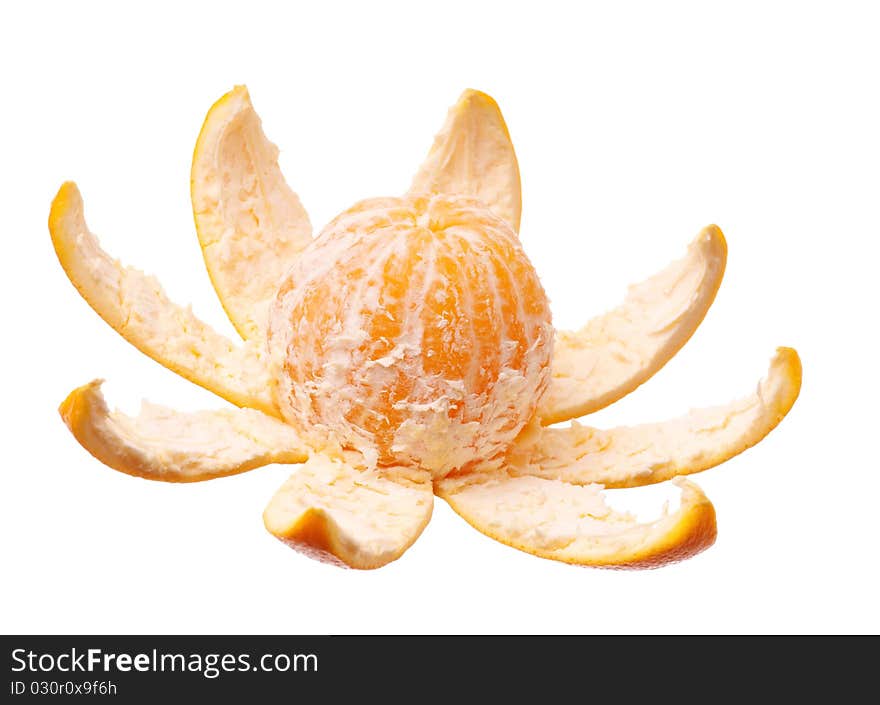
x: 635, y: 125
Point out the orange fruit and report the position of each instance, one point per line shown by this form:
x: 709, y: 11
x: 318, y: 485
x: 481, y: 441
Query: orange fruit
x: 412, y: 329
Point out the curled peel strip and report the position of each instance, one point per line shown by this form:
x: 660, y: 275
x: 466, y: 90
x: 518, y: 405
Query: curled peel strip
x: 630, y: 456
x: 572, y: 524
x: 172, y: 446
x: 616, y: 352
x: 137, y: 308
x: 472, y: 155
x: 336, y: 511
x: 250, y: 224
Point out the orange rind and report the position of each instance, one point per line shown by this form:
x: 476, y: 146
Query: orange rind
x: 564, y: 522
x: 363, y: 517
x: 135, y: 306
x: 630, y: 456
x: 163, y: 444
x: 616, y: 352
x: 250, y: 224
x: 473, y: 155
x: 408, y: 351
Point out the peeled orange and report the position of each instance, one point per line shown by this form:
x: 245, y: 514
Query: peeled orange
x: 415, y: 330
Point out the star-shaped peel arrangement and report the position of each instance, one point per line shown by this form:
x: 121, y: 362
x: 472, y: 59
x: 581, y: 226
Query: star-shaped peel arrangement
x: 408, y: 351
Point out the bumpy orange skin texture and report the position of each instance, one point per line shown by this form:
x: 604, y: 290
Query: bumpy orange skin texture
x: 414, y: 330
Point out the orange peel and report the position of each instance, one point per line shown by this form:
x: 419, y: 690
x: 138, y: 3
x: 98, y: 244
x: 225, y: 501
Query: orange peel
x: 630, y: 456
x: 473, y: 155
x: 163, y: 444
x: 564, y: 522
x: 250, y: 224
x: 616, y: 352
x: 408, y: 351
x: 361, y: 517
x: 135, y: 306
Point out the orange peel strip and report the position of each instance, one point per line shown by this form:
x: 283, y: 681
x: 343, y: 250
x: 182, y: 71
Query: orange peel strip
x: 136, y: 307
x: 616, y: 352
x: 472, y: 155
x: 250, y: 224
x: 572, y: 524
x: 631, y: 456
x: 163, y: 444
x: 359, y: 517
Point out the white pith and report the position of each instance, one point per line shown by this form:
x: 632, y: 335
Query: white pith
x: 349, y: 380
